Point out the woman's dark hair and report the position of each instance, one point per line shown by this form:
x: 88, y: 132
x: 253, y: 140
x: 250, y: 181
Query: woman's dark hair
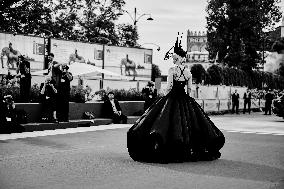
x: 110, y: 93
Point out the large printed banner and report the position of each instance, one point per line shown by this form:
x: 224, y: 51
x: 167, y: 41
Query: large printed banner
x: 14, y: 45
x: 211, y: 105
x: 205, y: 92
x: 135, y: 63
x: 224, y: 105
x: 70, y: 51
x: 224, y: 92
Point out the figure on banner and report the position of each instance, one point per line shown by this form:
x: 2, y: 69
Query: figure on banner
x: 11, y: 54
x: 76, y: 58
x: 129, y: 66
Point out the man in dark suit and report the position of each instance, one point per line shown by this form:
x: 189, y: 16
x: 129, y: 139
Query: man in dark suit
x: 111, y: 109
x: 54, y: 70
x: 268, y: 101
x: 247, y: 101
x: 63, y: 94
x: 23, y: 71
x: 149, y: 94
x: 235, y: 102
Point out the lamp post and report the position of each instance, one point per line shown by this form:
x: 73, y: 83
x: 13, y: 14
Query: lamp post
x: 47, y: 48
x: 158, y: 47
x: 136, y: 18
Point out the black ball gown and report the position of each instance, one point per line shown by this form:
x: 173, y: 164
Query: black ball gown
x: 174, y: 129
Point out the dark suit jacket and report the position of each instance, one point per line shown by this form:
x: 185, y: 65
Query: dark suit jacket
x: 235, y: 97
x: 56, y: 75
x: 107, y: 108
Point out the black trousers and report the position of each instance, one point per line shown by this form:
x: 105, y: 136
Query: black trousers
x: 119, y: 118
x: 235, y: 106
x: 247, y: 102
x: 268, y: 107
x: 25, y: 87
x: 63, y: 107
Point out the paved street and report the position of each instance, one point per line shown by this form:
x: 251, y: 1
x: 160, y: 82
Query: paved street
x: 97, y: 157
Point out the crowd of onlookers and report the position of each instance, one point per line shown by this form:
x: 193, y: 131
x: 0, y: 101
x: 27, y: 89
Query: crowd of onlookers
x: 268, y: 95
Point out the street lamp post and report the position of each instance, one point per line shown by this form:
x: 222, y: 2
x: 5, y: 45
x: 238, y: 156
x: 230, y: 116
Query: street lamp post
x: 47, y: 47
x: 136, y: 18
x: 158, y: 47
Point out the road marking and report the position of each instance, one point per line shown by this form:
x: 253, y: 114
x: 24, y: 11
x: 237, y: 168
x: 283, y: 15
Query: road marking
x: 223, y: 127
x: 61, y: 131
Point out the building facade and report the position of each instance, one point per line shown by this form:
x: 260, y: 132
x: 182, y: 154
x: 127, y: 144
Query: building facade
x: 196, y: 48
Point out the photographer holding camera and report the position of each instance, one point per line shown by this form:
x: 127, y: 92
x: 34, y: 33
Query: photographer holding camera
x: 48, y: 92
x: 63, y: 95
x: 8, y: 116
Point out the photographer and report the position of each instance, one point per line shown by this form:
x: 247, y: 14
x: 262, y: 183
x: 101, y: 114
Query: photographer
x: 149, y: 94
x: 63, y: 95
x: 54, y: 70
x: 23, y: 71
x: 48, y: 92
x: 8, y: 116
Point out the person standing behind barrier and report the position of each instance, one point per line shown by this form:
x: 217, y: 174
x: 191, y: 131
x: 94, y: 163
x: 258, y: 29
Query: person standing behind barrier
x: 247, y: 101
x: 23, y: 71
x: 150, y: 95
x: 268, y: 101
x: 111, y: 109
x: 235, y: 102
x: 64, y: 94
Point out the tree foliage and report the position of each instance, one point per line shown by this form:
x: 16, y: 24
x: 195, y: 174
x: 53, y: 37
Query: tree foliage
x: 237, y: 37
x: 82, y: 20
x: 198, y: 73
x: 156, y: 72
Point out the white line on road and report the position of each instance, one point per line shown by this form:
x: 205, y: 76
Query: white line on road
x: 62, y: 131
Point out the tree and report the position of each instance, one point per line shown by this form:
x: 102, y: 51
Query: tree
x: 237, y: 37
x: 82, y: 20
x: 25, y: 17
x: 215, y: 73
x: 156, y: 72
x: 198, y: 73
x: 128, y: 35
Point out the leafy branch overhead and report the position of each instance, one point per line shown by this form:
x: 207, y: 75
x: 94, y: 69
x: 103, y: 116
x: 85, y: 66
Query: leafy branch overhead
x: 82, y: 20
x: 236, y: 29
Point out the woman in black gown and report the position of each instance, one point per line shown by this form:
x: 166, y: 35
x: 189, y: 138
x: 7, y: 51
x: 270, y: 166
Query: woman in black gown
x: 175, y: 128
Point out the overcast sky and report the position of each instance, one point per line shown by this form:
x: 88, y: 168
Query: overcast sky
x: 170, y: 18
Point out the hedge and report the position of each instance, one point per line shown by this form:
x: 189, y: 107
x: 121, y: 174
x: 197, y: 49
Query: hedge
x: 216, y: 75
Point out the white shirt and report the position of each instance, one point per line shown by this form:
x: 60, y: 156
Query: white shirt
x: 113, y: 106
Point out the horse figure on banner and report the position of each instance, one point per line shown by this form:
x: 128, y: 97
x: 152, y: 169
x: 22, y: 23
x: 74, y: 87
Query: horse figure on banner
x: 76, y: 58
x: 129, y: 66
x: 11, y: 54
